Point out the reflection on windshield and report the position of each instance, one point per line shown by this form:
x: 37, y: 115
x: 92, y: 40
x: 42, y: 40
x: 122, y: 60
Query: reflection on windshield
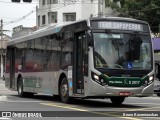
x: 122, y: 51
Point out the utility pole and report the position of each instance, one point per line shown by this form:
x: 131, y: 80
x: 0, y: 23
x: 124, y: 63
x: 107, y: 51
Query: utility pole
x: 1, y: 48
x: 101, y: 7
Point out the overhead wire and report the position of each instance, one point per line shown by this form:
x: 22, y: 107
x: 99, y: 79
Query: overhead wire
x: 20, y: 19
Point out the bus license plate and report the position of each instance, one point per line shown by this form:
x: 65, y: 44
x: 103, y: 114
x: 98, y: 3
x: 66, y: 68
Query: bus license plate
x: 124, y: 93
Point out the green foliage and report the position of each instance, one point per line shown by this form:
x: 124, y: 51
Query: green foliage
x: 147, y: 10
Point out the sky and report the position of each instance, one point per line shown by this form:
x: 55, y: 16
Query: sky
x: 12, y: 14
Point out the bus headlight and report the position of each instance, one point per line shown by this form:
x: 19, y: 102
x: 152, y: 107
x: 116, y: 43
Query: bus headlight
x: 98, y: 79
x: 148, y: 81
x: 151, y: 78
x: 95, y: 77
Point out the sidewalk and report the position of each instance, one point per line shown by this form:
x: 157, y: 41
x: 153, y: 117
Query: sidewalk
x: 4, y: 91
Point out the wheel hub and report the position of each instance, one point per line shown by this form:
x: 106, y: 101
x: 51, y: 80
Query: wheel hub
x: 64, y: 90
x: 19, y: 89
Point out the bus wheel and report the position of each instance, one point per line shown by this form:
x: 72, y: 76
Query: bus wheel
x: 20, y: 88
x: 117, y: 100
x: 64, y: 93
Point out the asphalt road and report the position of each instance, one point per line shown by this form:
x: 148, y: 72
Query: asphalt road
x: 96, y: 109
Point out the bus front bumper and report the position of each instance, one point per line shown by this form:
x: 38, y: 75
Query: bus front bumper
x: 128, y: 91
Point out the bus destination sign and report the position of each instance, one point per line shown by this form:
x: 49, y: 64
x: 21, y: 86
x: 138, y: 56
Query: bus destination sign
x: 120, y: 25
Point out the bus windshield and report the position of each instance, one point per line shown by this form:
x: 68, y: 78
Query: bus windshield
x: 122, y: 51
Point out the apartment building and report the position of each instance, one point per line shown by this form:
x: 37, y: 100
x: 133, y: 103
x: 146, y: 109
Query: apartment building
x: 51, y: 12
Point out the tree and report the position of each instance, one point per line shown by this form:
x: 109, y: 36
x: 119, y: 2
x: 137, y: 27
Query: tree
x: 147, y: 10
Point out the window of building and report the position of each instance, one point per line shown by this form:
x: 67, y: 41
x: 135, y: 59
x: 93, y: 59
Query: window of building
x: 69, y: 17
x: 43, y: 2
x: 52, y: 1
x: 48, y: 1
x: 39, y: 20
x: 52, y: 17
x: 43, y: 20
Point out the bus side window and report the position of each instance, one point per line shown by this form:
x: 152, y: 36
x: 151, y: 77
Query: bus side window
x: 38, y: 54
x: 46, y: 53
x: 55, y: 53
x: 67, y: 54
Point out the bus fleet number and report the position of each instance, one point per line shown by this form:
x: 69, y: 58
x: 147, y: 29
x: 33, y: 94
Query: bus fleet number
x: 134, y: 82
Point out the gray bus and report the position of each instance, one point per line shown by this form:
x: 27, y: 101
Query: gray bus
x: 106, y: 57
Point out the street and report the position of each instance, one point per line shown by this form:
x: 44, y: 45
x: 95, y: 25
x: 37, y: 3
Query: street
x: 50, y: 108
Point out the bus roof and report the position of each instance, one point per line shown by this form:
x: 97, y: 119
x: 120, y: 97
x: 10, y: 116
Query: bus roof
x: 42, y: 32
x: 56, y: 28
x: 119, y: 19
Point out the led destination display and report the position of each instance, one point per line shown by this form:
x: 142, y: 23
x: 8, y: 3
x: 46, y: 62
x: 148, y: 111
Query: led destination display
x: 120, y: 26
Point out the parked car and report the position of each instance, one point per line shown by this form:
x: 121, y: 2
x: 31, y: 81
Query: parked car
x: 157, y: 86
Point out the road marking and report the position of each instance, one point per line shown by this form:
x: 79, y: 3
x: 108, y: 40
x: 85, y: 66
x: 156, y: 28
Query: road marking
x: 153, y: 118
x: 67, y: 107
x: 84, y: 110
x: 157, y: 118
x: 12, y: 101
x: 153, y: 97
x: 143, y: 103
x: 129, y: 109
x: 143, y: 108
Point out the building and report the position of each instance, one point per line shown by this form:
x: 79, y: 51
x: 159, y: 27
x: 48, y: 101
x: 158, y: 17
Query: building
x: 3, y: 45
x: 19, y: 31
x: 51, y: 12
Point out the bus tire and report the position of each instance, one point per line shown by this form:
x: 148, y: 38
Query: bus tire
x: 20, y: 88
x: 117, y: 100
x: 64, y: 93
x: 21, y: 93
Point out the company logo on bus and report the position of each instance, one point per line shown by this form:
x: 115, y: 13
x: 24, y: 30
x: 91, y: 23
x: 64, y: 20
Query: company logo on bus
x: 125, y: 81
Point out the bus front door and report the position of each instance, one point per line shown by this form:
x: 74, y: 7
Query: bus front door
x: 78, y: 67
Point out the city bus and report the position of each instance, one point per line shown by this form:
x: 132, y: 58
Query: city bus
x: 100, y: 57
